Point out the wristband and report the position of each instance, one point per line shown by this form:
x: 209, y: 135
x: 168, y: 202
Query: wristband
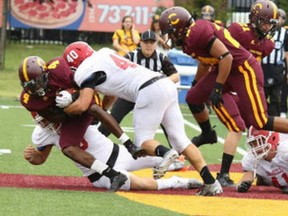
x: 123, y: 138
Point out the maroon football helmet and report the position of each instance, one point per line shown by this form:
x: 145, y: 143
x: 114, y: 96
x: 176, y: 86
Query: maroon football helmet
x: 75, y: 53
x: 208, y: 13
x: 175, y: 22
x: 33, y: 76
x: 261, y: 12
x: 259, y: 142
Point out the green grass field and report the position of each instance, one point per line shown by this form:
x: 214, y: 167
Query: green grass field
x: 16, y: 127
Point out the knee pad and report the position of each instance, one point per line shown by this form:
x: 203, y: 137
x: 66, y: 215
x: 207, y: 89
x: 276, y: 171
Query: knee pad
x: 269, y: 124
x: 196, y: 108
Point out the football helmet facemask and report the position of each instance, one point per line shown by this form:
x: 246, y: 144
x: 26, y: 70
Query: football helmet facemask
x: 33, y: 76
x: 175, y: 22
x: 259, y: 142
x: 264, y: 12
x: 75, y: 53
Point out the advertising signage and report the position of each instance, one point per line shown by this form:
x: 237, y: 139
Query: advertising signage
x: 83, y: 15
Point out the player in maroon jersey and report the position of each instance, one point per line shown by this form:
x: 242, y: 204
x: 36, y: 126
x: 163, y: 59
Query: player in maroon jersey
x: 41, y: 83
x: 255, y: 37
x: 224, y: 66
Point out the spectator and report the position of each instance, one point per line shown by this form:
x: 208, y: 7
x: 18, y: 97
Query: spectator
x: 127, y: 38
x: 161, y: 39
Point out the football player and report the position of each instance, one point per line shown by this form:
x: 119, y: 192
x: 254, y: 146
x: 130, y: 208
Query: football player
x: 117, y: 156
x: 234, y: 69
x: 255, y: 37
x: 156, y: 101
x: 266, y: 160
x: 41, y: 83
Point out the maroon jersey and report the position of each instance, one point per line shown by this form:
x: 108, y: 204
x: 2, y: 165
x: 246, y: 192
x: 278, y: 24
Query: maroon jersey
x: 197, y: 43
x: 245, y: 78
x: 245, y: 34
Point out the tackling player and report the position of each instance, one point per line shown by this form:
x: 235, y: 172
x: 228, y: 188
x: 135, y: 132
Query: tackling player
x: 156, y: 101
x: 41, y: 83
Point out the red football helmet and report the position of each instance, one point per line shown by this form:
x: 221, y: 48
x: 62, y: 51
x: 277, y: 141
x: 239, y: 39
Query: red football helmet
x: 175, y: 22
x: 208, y: 13
x: 75, y: 53
x: 259, y: 142
x: 264, y: 11
x: 33, y: 76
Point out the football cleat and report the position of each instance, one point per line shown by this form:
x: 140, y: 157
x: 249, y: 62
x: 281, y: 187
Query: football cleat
x: 117, y: 182
x: 225, y: 180
x: 168, y: 159
x: 207, y: 138
x: 211, y: 189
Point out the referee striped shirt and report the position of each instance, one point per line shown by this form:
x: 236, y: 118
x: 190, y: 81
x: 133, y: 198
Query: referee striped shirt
x: 277, y: 56
x: 157, y: 62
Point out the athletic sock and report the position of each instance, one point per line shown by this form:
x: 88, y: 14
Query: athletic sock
x: 110, y: 172
x: 161, y: 150
x: 173, y: 182
x: 227, y: 160
x: 206, y: 175
x: 205, y: 126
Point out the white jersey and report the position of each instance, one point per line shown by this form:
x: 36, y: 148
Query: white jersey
x: 123, y: 77
x: 101, y: 148
x: 155, y: 104
x: 274, y: 172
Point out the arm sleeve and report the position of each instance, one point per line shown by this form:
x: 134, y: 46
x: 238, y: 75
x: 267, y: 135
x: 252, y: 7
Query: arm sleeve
x: 94, y: 79
x: 167, y: 67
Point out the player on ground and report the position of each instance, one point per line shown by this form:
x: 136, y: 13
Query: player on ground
x: 266, y: 161
x: 105, y: 151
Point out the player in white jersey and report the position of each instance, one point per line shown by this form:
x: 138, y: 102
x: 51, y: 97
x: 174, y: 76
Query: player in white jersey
x: 107, y: 152
x: 155, y: 97
x: 266, y: 160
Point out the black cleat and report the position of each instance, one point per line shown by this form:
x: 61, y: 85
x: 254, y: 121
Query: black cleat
x: 117, y: 182
x: 225, y: 180
x: 206, y: 138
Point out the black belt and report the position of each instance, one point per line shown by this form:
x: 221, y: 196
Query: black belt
x: 149, y: 82
x: 111, y: 162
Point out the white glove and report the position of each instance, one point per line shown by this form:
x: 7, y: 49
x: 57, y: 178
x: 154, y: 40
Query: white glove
x: 63, y: 99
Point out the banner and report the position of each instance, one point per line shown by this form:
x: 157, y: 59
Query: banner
x: 83, y: 15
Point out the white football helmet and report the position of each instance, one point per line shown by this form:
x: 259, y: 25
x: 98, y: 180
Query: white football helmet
x: 259, y: 142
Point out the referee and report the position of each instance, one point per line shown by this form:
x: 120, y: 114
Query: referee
x: 274, y: 67
x: 149, y: 57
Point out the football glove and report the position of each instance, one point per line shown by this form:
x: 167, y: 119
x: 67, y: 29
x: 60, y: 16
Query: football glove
x: 285, y: 190
x: 63, y: 99
x: 243, y: 186
x: 216, y: 96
